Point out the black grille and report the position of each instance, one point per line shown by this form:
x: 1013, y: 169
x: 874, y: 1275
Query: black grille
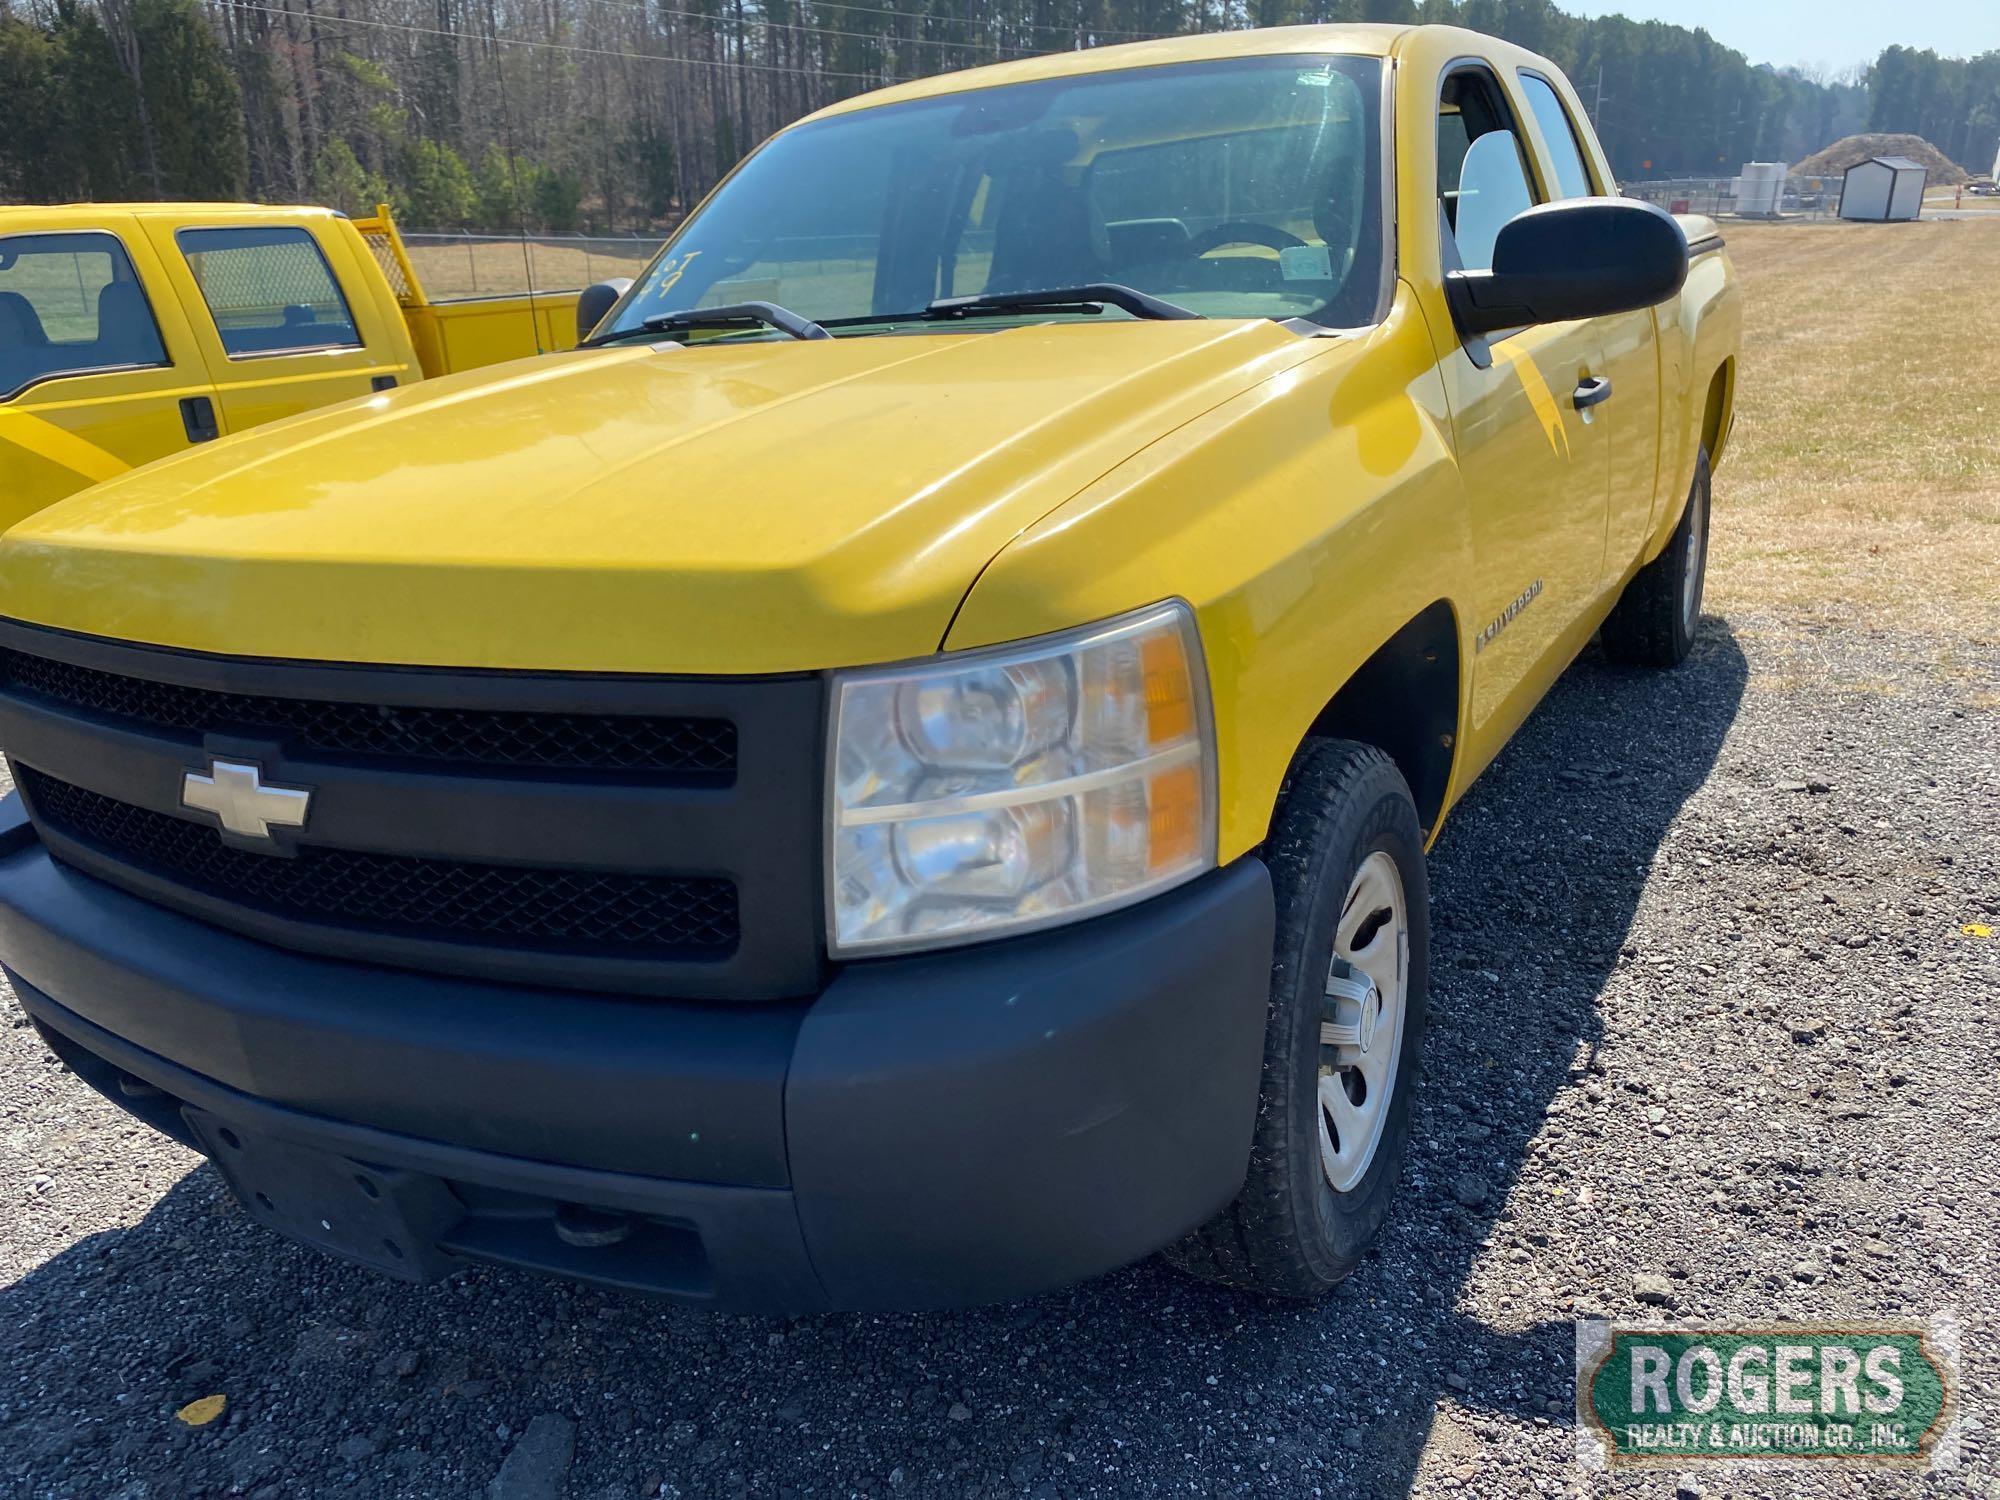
x: 701, y: 748
x: 549, y: 910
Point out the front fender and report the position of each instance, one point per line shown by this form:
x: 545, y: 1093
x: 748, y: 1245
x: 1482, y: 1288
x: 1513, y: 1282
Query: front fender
x: 1306, y: 520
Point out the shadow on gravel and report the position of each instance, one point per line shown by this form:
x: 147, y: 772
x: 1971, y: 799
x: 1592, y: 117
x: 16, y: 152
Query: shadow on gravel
x: 1536, y: 883
x: 1139, y: 1383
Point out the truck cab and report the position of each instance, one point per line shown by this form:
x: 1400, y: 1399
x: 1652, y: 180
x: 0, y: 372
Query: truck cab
x: 132, y: 332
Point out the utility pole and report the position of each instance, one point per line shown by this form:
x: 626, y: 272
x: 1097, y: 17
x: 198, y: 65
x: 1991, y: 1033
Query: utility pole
x: 1597, y: 112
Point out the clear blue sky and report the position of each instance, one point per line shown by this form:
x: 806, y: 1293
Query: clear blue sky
x: 1831, y: 34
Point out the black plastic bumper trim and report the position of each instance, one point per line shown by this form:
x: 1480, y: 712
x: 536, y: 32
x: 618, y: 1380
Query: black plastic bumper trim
x: 16, y: 832
x: 637, y: 1084
x: 987, y: 1123
x: 750, y: 1235
x: 930, y: 1131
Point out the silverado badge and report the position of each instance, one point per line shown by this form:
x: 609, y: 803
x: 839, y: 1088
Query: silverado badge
x: 1505, y: 618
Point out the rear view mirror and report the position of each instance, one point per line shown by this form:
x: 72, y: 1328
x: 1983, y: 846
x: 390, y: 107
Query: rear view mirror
x: 1582, y: 258
x: 593, y: 302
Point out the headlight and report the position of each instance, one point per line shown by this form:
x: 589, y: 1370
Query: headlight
x: 994, y: 791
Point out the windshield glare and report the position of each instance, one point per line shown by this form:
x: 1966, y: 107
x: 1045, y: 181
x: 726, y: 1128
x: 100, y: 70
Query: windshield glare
x: 1242, y: 189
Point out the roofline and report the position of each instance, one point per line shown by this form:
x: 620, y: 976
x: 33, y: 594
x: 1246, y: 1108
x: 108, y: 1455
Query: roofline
x: 177, y: 209
x: 1354, y: 39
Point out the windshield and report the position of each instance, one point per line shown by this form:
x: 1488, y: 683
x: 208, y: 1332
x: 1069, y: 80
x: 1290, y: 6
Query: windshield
x: 1242, y: 189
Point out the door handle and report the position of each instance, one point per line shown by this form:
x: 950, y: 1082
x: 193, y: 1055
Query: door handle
x: 1594, y: 391
x: 198, y: 417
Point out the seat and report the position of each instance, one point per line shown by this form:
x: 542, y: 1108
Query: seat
x: 20, y: 325
x: 1052, y: 237
x: 126, y: 334
x: 1147, y: 242
x: 24, y: 344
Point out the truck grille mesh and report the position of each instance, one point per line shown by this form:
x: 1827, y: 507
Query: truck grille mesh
x: 614, y: 743
x: 545, y: 909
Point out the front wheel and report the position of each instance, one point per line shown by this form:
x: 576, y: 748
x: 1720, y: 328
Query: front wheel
x: 1349, y: 980
x: 1654, y: 621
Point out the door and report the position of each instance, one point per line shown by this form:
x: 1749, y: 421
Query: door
x: 98, y: 372
x: 1531, y: 452
x: 280, y: 334
x: 1629, y: 343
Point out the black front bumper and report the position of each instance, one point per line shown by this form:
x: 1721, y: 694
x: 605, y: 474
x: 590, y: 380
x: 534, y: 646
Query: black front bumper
x: 928, y: 1131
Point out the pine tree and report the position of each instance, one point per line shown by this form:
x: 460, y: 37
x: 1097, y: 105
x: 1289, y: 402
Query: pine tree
x: 192, y: 102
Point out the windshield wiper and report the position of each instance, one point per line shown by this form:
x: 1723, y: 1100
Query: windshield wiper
x: 733, y: 315
x: 1091, y: 297
x: 1094, y: 295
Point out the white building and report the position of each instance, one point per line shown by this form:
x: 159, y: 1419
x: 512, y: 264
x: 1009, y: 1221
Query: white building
x: 1760, y: 189
x: 1883, y: 189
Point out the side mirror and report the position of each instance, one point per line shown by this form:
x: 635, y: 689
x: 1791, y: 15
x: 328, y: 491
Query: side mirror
x: 1583, y: 258
x: 593, y: 302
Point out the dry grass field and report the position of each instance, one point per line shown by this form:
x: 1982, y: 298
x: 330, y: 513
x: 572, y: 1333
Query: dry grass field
x: 1954, y: 198
x: 1863, y: 485
x: 490, y: 268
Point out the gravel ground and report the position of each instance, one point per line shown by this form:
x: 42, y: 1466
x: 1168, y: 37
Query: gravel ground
x: 1703, y: 1012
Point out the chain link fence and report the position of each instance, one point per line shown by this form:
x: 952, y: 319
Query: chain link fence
x: 1801, y: 197
x: 498, y: 265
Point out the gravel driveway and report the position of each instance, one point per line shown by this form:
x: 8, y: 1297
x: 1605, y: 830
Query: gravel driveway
x: 1703, y: 1012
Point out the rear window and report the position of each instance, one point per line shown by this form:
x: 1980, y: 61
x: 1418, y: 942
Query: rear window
x: 70, y: 304
x: 270, y: 291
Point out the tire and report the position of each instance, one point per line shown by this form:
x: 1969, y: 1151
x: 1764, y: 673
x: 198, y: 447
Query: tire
x: 1291, y: 1232
x: 1654, y: 621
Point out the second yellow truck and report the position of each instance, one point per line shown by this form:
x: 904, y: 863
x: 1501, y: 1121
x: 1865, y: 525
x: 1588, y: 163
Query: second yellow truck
x: 899, y: 774
x: 132, y: 332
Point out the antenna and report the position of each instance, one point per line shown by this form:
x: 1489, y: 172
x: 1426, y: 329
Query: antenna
x: 520, y: 210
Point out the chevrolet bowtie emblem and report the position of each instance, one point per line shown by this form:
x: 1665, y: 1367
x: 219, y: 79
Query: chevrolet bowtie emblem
x: 234, y: 791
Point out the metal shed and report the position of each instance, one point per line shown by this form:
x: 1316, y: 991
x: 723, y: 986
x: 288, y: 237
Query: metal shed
x: 1883, y: 189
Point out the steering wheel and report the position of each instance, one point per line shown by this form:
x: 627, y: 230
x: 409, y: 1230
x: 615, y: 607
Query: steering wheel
x: 1241, y: 232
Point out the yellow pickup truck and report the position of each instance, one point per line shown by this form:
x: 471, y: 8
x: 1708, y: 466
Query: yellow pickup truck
x: 899, y: 774
x: 129, y: 332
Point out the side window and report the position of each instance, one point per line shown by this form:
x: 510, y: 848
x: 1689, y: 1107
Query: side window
x: 269, y: 290
x: 70, y: 304
x: 1482, y: 165
x: 1559, y: 131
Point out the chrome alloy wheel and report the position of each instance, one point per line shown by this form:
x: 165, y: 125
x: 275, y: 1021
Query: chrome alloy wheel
x: 1361, y: 1020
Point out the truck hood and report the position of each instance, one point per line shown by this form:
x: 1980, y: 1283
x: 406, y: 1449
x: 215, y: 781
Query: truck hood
x: 738, y: 508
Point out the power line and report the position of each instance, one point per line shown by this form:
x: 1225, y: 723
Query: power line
x: 320, y: 18
x: 769, y: 23
x: 815, y: 29
x: 881, y: 10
